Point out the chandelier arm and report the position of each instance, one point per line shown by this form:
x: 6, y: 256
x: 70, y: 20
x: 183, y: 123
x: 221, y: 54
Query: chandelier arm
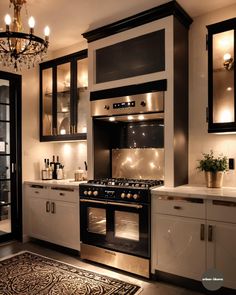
x: 4, y: 49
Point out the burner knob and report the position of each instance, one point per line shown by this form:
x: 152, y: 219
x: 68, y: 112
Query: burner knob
x: 89, y: 193
x: 95, y: 193
x: 136, y: 196
x: 122, y: 195
x: 85, y: 193
x: 143, y: 103
x: 129, y: 196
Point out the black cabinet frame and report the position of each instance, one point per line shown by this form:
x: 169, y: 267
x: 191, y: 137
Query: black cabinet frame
x: 72, y: 59
x: 220, y: 27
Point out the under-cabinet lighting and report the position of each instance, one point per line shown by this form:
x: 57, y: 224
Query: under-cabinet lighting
x: 141, y: 117
x: 229, y: 88
x: 112, y: 119
x: 130, y: 117
x: 63, y: 131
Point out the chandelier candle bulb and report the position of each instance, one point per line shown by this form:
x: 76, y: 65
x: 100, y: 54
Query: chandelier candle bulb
x: 7, y: 22
x: 46, y: 33
x: 31, y: 23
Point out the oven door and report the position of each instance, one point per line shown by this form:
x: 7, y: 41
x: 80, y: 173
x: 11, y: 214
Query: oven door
x: 123, y: 227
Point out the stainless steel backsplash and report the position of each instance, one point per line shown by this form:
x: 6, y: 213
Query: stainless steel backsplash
x: 138, y: 163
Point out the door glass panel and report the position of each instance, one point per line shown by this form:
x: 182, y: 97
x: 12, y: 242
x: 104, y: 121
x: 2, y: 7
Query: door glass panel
x: 5, y: 193
x: 47, y: 101
x: 4, y: 167
x: 4, y: 91
x: 97, y: 220
x: 223, y: 77
x: 4, y: 112
x: 82, y: 95
x: 127, y: 225
x: 4, y: 138
x: 5, y: 219
x: 63, y: 98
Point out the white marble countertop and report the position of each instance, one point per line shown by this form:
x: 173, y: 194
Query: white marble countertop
x: 197, y: 191
x: 71, y: 183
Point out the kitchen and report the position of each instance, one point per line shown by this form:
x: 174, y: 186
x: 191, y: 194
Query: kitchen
x: 33, y: 151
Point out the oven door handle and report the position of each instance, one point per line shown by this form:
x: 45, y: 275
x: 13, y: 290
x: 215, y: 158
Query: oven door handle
x: 126, y: 205
x: 93, y: 201
x: 112, y: 203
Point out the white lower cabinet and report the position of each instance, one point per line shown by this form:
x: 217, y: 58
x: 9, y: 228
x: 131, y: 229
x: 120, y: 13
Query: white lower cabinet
x: 221, y: 240
x: 53, y: 216
x: 180, y: 246
x: 187, y: 246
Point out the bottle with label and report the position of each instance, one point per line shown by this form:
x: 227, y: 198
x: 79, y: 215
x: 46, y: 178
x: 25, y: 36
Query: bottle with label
x: 52, y: 166
x: 60, y: 174
x: 44, y: 171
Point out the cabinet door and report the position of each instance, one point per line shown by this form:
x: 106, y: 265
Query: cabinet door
x: 39, y: 218
x: 221, y: 253
x: 65, y: 224
x: 179, y: 246
x: 64, y: 98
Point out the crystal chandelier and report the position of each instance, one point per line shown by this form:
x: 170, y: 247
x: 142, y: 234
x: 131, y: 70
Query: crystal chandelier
x: 18, y: 49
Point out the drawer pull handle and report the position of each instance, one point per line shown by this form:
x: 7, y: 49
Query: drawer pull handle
x: 47, y: 206
x: 53, y: 208
x: 210, y: 233
x: 36, y: 192
x: 177, y: 207
x: 202, y: 232
x: 62, y: 194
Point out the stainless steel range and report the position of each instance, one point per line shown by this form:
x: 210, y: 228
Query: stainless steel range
x: 115, y: 223
x: 128, y: 149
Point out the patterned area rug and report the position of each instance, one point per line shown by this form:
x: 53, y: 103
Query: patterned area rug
x: 30, y: 274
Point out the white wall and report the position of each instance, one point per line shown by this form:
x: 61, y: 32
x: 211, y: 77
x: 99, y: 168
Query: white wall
x: 199, y: 140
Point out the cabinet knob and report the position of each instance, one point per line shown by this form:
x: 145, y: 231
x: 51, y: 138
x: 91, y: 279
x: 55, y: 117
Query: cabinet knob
x: 106, y: 107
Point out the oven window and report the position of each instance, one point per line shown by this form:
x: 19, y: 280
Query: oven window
x: 127, y: 225
x: 97, y: 220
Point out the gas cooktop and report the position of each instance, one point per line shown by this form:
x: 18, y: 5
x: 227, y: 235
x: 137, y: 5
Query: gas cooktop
x: 136, y: 183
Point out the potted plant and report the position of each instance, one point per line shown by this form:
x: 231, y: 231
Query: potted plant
x: 214, y: 168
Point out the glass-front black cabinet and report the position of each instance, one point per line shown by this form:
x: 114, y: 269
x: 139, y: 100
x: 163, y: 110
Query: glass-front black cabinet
x: 64, y: 98
x: 221, y: 76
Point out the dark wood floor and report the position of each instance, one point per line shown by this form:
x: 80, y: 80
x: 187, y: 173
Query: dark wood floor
x: 149, y: 287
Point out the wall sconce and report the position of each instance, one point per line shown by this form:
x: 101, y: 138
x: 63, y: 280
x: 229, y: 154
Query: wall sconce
x: 228, y: 61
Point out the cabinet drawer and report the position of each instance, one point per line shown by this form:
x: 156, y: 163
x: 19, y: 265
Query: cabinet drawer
x: 221, y: 210
x: 180, y: 206
x: 40, y: 191
x: 64, y: 194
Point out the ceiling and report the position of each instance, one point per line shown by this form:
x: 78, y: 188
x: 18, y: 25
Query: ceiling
x: 68, y: 19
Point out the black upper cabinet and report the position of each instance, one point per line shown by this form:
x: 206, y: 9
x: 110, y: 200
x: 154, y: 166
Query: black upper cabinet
x: 221, y: 76
x: 64, y: 98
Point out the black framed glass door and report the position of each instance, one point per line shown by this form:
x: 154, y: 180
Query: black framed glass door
x: 10, y: 157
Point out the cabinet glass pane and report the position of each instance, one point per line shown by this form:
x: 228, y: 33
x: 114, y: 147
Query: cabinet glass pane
x: 4, y: 138
x: 97, y: 220
x: 127, y: 225
x: 63, y: 98
x: 82, y: 95
x: 223, y: 77
x: 47, y: 101
x: 4, y: 91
